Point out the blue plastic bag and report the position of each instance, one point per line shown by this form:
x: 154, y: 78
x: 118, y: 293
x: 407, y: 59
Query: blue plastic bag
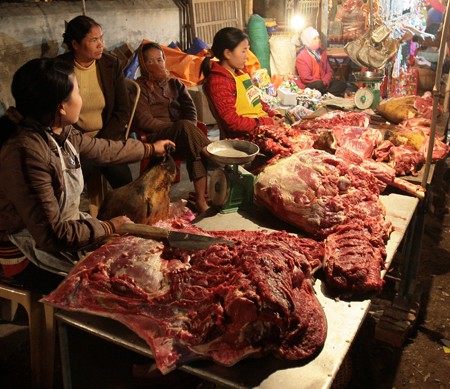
x: 132, y: 67
x: 197, y: 46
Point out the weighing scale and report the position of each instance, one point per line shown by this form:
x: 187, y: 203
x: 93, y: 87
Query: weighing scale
x: 369, y: 95
x: 230, y: 185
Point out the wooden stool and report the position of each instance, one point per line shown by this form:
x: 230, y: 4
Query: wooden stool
x: 41, y: 329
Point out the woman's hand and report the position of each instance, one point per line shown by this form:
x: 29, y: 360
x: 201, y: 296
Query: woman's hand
x: 420, y: 61
x: 278, y: 119
x: 407, y: 36
x: 161, y: 146
x: 409, y: 32
x: 118, y: 221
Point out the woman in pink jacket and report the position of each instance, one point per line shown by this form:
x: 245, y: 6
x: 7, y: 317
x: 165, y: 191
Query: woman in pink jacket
x: 313, y: 69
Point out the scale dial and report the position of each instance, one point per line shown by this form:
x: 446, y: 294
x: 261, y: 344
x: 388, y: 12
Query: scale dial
x: 219, y: 187
x: 364, y: 98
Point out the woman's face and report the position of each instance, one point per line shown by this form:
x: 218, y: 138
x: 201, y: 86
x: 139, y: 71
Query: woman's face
x: 154, y: 56
x: 70, y: 109
x: 91, y: 46
x: 237, y: 58
x: 315, y: 43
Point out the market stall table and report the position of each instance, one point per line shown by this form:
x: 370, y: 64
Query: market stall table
x: 344, y: 318
x: 339, y: 62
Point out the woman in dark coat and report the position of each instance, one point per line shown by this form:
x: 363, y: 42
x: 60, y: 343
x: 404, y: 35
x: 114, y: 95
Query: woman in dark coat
x: 41, y: 179
x: 166, y: 111
x: 106, y: 107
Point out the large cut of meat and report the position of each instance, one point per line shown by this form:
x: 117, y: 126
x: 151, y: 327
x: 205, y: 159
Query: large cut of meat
x: 334, y: 119
x: 145, y: 200
x: 354, y: 258
x: 280, y: 141
x: 399, y: 109
x: 317, y: 192
x: 356, y: 143
x: 403, y: 159
x: 332, y: 199
x: 223, y: 303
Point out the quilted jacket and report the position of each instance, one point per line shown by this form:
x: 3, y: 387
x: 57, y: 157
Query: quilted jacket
x: 220, y: 88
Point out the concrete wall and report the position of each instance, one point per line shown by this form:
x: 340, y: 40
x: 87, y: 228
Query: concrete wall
x: 30, y: 30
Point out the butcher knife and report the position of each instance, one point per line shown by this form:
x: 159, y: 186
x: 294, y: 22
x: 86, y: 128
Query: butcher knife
x: 176, y: 239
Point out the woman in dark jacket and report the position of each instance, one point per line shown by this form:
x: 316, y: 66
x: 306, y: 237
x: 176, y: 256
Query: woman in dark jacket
x: 106, y: 107
x: 41, y: 180
x: 166, y: 111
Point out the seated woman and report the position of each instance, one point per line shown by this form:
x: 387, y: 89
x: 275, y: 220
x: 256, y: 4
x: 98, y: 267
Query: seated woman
x: 41, y: 179
x: 234, y: 99
x: 165, y: 110
x: 106, y: 107
x: 313, y: 68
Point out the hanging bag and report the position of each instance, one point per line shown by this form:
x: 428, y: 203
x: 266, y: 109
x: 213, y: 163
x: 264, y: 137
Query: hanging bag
x: 377, y: 55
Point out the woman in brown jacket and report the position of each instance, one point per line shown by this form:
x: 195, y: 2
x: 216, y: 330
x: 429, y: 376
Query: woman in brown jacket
x: 106, y: 107
x: 40, y: 176
x: 166, y: 111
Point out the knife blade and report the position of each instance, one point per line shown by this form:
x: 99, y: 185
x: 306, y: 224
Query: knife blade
x: 176, y: 239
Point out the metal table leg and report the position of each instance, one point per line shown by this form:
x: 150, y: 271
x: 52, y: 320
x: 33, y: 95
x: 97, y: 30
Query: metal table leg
x: 65, y: 355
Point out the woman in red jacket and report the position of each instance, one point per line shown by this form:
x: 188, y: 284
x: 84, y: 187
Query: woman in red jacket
x: 230, y: 90
x: 313, y: 68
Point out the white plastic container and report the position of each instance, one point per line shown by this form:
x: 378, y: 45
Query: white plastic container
x: 287, y: 97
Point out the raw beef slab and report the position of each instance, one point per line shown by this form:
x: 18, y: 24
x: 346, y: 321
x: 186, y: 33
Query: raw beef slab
x: 224, y: 303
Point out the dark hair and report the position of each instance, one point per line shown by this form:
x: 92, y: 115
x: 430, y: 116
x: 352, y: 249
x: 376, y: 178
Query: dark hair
x: 77, y: 29
x: 40, y: 86
x: 227, y: 38
x: 151, y: 45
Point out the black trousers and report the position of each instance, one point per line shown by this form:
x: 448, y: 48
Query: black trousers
x: 37, y: 279
x: 117, y: 175
x: 336, y: 87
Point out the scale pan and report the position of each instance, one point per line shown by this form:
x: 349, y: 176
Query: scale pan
x: 369, y: 76
x: 232, y: 151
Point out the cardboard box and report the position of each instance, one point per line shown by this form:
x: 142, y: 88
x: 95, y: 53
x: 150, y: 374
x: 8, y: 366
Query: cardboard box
x: 201, y: 104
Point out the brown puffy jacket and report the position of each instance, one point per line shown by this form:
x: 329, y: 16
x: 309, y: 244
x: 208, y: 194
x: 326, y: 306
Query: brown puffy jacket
x: 31, y: 185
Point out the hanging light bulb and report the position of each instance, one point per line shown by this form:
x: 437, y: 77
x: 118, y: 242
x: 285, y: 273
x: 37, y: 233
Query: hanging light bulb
x: 297, y: 22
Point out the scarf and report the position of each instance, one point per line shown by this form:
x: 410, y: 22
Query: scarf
x: 153, y: 74
x: 316, y: 54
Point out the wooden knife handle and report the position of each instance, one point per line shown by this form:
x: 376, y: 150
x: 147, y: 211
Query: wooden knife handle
x: 143, y: 230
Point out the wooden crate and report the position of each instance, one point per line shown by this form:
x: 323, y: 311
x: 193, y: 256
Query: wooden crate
x: 209, y: 16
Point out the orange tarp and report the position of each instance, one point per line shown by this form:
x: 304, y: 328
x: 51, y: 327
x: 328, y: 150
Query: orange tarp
x: 186, y: 67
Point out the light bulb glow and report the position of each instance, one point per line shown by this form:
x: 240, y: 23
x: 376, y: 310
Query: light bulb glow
x: 297, y: 22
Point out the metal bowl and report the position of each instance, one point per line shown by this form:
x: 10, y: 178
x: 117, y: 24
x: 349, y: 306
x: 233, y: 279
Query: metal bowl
x: 232, y: 151
x: 369, y: 76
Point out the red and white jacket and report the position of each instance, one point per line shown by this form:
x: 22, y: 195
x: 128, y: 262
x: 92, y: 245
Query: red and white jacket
x: 309, y: 70
x: 220, y: 87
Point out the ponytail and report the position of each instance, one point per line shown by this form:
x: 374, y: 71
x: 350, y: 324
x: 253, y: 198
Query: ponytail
x: 205, y: 67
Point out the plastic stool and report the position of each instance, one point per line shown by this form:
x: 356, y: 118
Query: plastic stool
x: 42, y: 334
